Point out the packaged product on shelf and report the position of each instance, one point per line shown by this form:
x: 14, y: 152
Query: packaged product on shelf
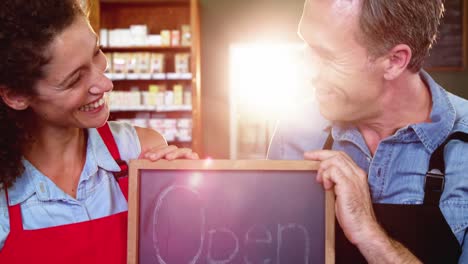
x: 109, y: 70
x: 184, y: 128
x: 157, y: 66
x: 112, y: 40
x: 120, y: 37
x: 114, y: 100
x: 184, y: 135
x: 125, y: 120
x: 186, y: 35
x: 145, y: 99
x: 187, y: 98
x: 132, y: 66
x: 178, y: 94
x: 154, y: 40
x: 118, y: 101
x: 175, y: 38
x: 138, y: 34
x: 157, y: 93
x: 184, y: 123
x: 160, y: 96
x: 144, y: 65
x: 134, y: 98
x: 119, y: 66
x: 104, y: 37
x: 170, y: 128
x: 182, y: 63
x: 157, y: 124
x: 140, y: 122
x: 165, y: 37
x: 169, y: 99
x: 153, y: 91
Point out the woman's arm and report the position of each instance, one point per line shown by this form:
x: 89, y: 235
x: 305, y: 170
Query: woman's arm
x: 154, y: 147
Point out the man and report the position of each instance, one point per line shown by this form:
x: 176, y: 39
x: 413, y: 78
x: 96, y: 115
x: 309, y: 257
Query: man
x: 384, y: 118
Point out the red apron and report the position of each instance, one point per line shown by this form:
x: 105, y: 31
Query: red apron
x: 102, y: 240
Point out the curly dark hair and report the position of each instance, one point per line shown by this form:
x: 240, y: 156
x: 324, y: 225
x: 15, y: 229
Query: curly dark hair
x: 27, y: 28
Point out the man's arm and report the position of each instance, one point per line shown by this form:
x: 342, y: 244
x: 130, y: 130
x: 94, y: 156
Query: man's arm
x: 354, y: 208
x: 380, y: 248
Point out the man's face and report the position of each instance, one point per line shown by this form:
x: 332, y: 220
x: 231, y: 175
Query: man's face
x: 348, y: 84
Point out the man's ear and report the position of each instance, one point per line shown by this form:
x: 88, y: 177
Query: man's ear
x: 13, y: 99
x: 396, y: 61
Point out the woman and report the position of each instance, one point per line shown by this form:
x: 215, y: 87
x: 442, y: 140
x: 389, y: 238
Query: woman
x: 61, y: 201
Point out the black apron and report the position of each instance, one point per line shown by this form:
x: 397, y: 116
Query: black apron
x: 420, y: 228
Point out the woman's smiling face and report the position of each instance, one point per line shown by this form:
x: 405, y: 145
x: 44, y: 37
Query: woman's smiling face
x: 72, y: 92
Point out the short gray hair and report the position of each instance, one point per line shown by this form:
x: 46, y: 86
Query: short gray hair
x: 387, y: 23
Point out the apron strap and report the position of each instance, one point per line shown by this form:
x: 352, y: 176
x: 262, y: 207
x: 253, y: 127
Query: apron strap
x: 328, y: 143
x: 435, y: 176
x: 14, y: 212
x: 109, y: 140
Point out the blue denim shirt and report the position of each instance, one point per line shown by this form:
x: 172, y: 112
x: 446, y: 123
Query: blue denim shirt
x: 43, y: 204
x: 397, y: 171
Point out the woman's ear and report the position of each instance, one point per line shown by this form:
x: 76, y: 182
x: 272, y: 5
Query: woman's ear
x: 13, y: 99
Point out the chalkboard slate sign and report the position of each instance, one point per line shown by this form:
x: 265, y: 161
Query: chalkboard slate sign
x: 449, y: 53
x: 219, y: 211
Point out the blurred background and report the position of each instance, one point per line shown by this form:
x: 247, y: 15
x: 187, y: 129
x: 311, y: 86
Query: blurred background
x: 216, y: 75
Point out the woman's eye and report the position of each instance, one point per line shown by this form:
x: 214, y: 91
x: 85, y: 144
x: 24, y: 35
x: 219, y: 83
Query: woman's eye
x: 75, y: 81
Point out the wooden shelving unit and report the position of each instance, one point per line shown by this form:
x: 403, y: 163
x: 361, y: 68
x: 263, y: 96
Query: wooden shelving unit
x: 147, y: 49
x: 157, y: 15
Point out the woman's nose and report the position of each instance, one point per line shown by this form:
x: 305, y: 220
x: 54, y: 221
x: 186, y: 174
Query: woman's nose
x: 100, y: 84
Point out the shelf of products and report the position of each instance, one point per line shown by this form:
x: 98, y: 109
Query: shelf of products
x: 146, y: 49
x: 152, y: 48
x: 148, y: 66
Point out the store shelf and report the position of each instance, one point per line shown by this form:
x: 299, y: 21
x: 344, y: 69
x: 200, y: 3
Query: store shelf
x: 151, y: 77
x: 180, y: 143
x: 159, y: 2
x: 158, y: 16
x: 158, y: 49
x: 158, y: 109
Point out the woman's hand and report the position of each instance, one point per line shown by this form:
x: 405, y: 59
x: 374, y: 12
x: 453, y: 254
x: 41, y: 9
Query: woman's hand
x: 154, y: 147
x: 169, y: 153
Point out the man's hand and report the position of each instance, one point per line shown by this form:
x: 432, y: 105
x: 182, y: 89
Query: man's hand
x: 353, y: 204
x: 169, y: 153
x: 354, y: 210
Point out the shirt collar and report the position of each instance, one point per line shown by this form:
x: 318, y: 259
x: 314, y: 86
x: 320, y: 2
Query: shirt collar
x: 431, y: 134
x: 101, y: 153
x: 33, y: 181
x: 443, y: 117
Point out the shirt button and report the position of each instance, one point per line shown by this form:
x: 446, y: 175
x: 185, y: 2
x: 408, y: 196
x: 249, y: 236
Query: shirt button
x: 369, y: 159
x: 41, y: 186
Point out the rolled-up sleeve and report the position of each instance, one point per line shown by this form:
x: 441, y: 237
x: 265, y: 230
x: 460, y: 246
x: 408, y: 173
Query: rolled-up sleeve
x: 4, y: 220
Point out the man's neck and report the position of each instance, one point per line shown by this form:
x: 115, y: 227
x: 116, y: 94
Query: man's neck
x: 406, y: 101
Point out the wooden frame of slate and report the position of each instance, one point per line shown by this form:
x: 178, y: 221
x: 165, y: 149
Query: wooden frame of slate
x: 220, y: 211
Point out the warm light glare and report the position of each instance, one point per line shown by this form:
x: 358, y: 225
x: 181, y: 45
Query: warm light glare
x: 208, y: 161
x: 266, y: 78
x: 195, y: 179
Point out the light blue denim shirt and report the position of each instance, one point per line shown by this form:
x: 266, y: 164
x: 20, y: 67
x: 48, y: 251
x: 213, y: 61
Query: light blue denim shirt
x: 397, y: 171
x: 43, y: 204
